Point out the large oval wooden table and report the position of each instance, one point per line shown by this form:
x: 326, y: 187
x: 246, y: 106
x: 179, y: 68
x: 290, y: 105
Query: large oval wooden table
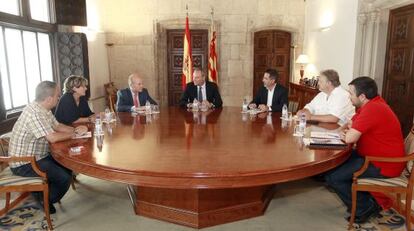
x: 198, y: 169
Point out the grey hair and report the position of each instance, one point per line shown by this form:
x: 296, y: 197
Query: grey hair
x: 45, y: 89
x: 132, y: 76
x: 200, y: 70
x: 332, y: 76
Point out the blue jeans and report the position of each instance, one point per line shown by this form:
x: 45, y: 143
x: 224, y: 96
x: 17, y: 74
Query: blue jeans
x: 340, y: 179
x: 58, y: 177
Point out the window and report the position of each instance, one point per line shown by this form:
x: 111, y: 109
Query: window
x: 25, y: 60
x: 25, y: 52
x: 10, y: 7
x: 39, y: 10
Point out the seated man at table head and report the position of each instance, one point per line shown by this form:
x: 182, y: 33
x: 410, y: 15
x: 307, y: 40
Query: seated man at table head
x: 73, y: 106
x: 332, y: 104
x: 271, y: 96
x: 35, y: 128
x: 134, y: 97
x: 377, y: 133
x: 204, y: 91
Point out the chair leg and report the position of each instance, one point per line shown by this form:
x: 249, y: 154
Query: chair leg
x: 353, y: 209
x: 408, y: 198
x: 46, y: 206
x: 72, y: 182
x: 7, y: 206
x: 398, y: 205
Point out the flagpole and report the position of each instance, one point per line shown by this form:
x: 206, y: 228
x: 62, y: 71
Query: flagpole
x: 212, y: 61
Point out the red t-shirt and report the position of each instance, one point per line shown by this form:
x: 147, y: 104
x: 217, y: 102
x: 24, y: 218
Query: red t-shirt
x: 381, y: 135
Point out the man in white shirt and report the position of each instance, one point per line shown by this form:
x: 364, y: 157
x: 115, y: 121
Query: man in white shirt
x: 332, y: 104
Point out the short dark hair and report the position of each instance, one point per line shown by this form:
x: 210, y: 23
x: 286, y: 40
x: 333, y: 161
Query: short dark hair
x: 273, y: 74
x: 332, y: 76
x: 45, y: 89
x: 365, y: 85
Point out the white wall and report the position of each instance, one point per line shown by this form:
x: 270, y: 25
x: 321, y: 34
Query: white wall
x: 334, y: 48
x: 97, y: 54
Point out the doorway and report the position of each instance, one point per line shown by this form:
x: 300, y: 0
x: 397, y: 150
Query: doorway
x: 398, y: 87
x: 271, y: 50
x: 175, y: 51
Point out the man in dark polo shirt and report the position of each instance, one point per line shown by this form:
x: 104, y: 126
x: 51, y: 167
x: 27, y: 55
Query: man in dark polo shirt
x: 376, y: 131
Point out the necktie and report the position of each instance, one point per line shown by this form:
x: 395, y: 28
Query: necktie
x: 200, y: 95
x: 136, y: 100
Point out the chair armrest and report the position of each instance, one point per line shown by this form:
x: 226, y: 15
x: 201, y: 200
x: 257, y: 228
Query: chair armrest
x: 381, y: 159
x: 30, y: 159
x: 391, y: 159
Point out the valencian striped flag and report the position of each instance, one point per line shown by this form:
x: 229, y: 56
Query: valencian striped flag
x: 212, y: 60
x: 187, y: 58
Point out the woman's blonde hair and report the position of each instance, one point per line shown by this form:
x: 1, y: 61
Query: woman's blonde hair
x: 73, y: 81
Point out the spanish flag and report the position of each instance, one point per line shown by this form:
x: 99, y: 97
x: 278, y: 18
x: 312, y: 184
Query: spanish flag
x: 187, y: 58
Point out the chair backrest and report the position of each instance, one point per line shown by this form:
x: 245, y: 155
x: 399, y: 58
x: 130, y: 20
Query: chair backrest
x: 4, y: 148
x: 293, y: 103
x: 4, y: 143
x: 110, y: 92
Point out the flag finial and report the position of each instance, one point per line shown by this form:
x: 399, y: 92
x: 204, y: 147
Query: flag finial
x: 186, y: 9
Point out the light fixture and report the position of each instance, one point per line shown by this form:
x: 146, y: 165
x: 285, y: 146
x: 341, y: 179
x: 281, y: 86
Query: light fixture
x: 302, y: 59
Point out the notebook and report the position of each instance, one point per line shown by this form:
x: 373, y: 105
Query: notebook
x: 326, y: 143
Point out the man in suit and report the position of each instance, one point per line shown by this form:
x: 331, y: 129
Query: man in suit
x: 133, y: 98
x: 202, y: 90
x: 272, y: 96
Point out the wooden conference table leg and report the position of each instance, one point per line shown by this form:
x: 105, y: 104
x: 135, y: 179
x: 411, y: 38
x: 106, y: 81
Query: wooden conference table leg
x: 199, y: 208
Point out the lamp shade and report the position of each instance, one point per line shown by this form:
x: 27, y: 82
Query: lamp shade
x: 303, y: 59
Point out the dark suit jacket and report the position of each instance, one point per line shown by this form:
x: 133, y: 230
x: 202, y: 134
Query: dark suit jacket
x: 280, y: 97
x: 190, y: 93
x: 67, y: 111
x: 125, y: 100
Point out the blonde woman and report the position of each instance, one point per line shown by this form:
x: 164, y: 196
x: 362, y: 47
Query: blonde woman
x: 73, y: 106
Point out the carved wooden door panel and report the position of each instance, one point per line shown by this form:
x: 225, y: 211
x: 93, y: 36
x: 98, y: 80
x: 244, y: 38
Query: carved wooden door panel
x: 175, y: 44
x: 271, y: 50
x: 398, y: 89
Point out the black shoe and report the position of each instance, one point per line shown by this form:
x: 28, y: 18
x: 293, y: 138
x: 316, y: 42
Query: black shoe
x: 52, y: 209
x: 374, y: 212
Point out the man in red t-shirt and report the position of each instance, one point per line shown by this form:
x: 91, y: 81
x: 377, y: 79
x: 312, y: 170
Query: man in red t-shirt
x: 376, y: 131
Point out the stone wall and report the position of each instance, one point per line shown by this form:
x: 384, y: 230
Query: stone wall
x: 137, y: 30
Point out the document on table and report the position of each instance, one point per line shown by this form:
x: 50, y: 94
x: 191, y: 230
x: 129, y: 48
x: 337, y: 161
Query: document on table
x: 85, y: 135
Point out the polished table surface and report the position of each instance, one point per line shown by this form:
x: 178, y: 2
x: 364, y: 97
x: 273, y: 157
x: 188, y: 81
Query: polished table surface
x: 180, y: 149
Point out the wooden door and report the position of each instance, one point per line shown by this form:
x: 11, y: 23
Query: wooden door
x: 398, y: 88
x: 271, y: 50
x: 175, y: 44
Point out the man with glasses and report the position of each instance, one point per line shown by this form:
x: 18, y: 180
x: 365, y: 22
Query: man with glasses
x: 332, y: 104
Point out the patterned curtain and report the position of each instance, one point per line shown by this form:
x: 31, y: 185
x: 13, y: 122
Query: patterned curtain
x: 72, y: 55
